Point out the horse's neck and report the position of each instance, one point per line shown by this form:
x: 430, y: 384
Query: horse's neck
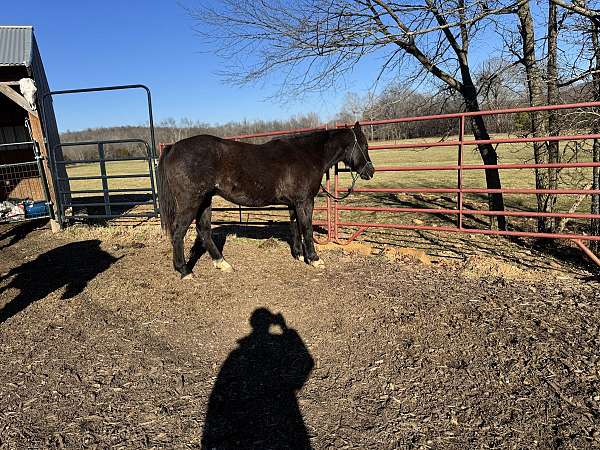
x: 333, y: 154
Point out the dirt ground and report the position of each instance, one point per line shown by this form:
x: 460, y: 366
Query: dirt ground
x: 103, y: 346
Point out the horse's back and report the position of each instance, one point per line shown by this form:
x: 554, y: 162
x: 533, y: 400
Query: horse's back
x: 275, y: 172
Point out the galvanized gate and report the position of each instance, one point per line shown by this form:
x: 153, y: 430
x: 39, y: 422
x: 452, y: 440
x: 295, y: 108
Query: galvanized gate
x: 105, y: 186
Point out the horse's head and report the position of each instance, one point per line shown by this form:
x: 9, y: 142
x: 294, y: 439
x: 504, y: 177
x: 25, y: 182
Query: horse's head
x: 357, y: 155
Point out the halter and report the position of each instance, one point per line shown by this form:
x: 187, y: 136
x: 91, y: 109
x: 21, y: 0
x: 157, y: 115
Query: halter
x: 354, y: 175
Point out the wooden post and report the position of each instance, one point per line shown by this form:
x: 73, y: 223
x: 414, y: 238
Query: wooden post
x: 37, y: 133
x: 17, y: 98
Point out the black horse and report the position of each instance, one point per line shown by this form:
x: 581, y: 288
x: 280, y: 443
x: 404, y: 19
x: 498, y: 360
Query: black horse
x: 284, y: 171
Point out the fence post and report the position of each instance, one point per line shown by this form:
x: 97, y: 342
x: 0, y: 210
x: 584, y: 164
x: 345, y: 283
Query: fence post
x: 335, y: 203
x: 461, y: 137
x: 329, y: 204
x: 44, y: 182
x: 102, y: 158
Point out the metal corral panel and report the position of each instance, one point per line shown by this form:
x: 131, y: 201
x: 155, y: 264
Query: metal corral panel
x: 16, y: 45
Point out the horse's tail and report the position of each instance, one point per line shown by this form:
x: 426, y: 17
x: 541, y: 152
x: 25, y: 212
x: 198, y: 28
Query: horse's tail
x: 166, y: 199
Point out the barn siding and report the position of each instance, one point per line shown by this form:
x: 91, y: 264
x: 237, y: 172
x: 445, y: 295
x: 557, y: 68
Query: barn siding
x: 19, y: 58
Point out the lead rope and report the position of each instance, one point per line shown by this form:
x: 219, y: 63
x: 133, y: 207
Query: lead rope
x: 354, y: 175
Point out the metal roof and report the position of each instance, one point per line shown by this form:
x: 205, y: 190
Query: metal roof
x: 16, y: 45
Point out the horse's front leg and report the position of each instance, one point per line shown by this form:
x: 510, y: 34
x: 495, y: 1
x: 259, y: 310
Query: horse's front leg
x: 304, y: 213
x: 297, y: 252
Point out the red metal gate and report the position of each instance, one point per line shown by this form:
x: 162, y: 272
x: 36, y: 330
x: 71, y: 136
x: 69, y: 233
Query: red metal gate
x: 459, y: 167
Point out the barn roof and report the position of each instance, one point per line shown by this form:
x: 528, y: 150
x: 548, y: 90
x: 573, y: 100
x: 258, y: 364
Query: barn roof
x: 16, y: 44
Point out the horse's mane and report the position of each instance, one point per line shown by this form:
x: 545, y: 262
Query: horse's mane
x: 304, y: 136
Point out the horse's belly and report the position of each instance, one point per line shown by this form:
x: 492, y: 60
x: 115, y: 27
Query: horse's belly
x: 252, y: 198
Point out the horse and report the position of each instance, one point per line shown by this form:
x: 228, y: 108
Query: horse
x: 285, y: 171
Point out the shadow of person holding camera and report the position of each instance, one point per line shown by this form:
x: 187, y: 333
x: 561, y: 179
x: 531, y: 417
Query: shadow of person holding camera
x: 253, y: 404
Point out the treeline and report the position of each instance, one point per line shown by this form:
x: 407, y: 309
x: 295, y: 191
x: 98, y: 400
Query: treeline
x: 168, y: 131
x: 397, y: 101
x: 393, y: 102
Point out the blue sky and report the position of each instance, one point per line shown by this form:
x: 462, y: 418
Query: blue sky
x: 153, y: 42
x: 86, y: 44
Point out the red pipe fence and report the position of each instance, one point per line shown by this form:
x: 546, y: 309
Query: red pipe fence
x: 333, y: 209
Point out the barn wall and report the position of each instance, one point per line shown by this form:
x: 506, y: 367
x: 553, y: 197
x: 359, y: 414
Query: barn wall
x: 13, y: 73
x: 12, y: 129
x: 20, y: 181
x: 47, y: 114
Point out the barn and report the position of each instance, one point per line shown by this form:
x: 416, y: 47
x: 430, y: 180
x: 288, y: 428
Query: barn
x: 29, y: 136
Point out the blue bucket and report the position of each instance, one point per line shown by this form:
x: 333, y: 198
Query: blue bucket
x: 35, y: 209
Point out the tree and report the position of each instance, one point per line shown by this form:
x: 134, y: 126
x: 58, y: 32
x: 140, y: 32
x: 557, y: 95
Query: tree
x: 544, y: 152
x: 589, y: 26
x: 595, y: 208
x: 314, y: 43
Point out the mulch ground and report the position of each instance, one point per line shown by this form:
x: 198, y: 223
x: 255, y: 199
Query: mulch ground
x: 103, y: 346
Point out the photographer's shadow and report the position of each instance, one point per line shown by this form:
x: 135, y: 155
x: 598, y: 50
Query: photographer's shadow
x: 253, y: 404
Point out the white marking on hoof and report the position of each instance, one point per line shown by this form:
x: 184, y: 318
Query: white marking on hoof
x: 223, y: 265
x: 300, y: 258
x: 317, y: 263
x: 189, y: 277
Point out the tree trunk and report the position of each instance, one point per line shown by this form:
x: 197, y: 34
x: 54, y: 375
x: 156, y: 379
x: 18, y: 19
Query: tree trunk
x: 536, y: 98
x: 553, y: 118
x: 595, y: 209
x: 487, y: 151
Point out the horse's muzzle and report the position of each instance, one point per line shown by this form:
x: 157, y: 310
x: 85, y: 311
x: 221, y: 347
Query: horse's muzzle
x: 367, y: 172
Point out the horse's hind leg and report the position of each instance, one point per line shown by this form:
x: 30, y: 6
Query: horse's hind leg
x: 204, y: 231
x: 296, y: 237
x: 183, y: 220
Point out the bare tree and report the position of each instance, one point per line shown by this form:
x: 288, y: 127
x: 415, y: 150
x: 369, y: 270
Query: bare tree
x: 535, y: 83
x: 501, y: 83
x: 587, y: 67
x: 553, y: 98
x: 580, y: 7
x: 595, y: 208
x: 312, y: 44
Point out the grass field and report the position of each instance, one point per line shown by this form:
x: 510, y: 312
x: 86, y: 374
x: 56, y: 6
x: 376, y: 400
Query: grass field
x: 445, y: 155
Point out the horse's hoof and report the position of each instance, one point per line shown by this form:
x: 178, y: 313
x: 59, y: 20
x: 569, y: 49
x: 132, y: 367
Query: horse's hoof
x: 317, y: 263
x: 223, y: 266
x: 300, y: 258
x: 188, y: 277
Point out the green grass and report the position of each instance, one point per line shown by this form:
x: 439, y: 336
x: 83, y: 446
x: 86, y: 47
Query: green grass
x: 507, y: 154
x: 112, y: 168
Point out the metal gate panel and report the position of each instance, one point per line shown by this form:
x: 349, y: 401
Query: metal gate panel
x: 105, y: 201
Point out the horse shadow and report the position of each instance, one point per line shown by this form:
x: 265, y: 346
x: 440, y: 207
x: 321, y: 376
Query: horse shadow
x: 70, y: 266
x: 19, y: 231
x: 278, y: 231
x: 253, y: 403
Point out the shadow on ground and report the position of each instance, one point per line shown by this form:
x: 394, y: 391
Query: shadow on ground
x: 118, y: 203
x: 13, y: 233
x: 70, y: 266
x: 278, y: 231
x: 253, y: 403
